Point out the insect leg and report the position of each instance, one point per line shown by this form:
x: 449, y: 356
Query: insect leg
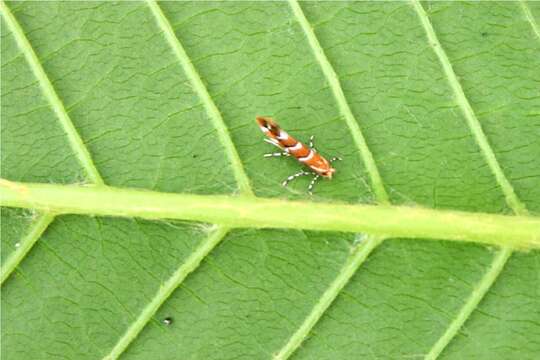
x: 335, y: 158
x: 312, y: 183
x: 273, y: 142
x: 277, y: 154
x: 311, y: 141
x: 292, y: 177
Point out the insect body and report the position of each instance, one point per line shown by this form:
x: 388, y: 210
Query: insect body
x: 319, y: 166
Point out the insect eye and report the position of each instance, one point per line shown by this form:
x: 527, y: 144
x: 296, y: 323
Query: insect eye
x: 328, y: 173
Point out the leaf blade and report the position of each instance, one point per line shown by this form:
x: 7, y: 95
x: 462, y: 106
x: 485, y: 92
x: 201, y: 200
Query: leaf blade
x: 256, y: 57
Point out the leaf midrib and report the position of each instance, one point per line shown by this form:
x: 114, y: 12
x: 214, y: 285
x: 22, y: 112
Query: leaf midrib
x: 256, y: 212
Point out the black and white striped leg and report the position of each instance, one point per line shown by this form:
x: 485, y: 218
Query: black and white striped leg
x: 335, y: 158
x: 277, y: 154
x: 311, y: 141
x: 273, y: 142
x: 292, y: 177
x: 312, y: 183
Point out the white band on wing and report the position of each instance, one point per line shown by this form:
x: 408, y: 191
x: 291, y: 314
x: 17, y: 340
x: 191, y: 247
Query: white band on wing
x: 283, y: 135
x: 307, y: 158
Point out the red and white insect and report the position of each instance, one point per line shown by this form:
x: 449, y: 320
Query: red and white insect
x: 308, y: 156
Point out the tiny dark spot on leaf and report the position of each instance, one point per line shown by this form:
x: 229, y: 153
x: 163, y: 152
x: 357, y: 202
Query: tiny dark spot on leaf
x: 484, y: 34
x: 194, y: 156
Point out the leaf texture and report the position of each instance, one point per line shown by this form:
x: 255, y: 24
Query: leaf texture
x: 162, y: 96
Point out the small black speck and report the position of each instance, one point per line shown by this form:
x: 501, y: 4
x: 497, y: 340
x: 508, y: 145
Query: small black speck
x: 168, y: 321
x: 194, y: 156
x: 484, y: 34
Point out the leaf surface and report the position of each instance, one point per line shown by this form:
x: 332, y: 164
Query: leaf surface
x: 89, y: 285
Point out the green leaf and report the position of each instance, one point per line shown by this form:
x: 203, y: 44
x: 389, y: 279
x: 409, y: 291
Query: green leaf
x: 432, y: 106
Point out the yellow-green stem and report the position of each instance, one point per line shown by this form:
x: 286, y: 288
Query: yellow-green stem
x: 521, y: 232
